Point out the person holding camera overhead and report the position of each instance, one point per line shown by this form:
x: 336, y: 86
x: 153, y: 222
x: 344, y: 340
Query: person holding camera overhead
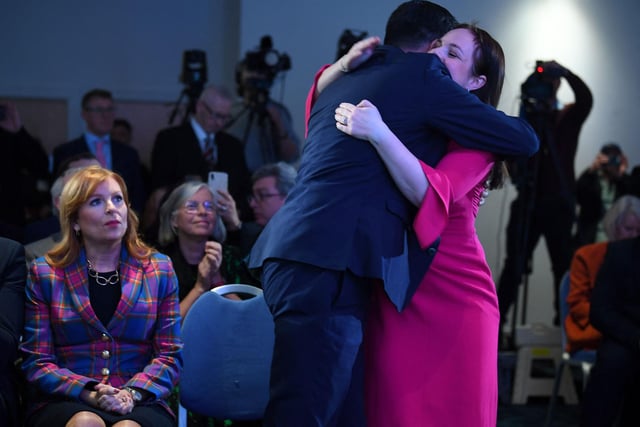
x: 604, y: 182
x: 262, y: 124
x: 545, y: 203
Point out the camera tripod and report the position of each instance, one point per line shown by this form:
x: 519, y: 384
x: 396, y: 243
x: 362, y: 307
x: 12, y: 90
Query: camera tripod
x: 192, y: 93
x: 256, y: 115
x: 528, y: 213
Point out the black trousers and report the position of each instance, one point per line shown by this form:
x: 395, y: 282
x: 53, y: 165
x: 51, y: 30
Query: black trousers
x: 551, y: 218
x: 613, y: 389
x: 317, y: 372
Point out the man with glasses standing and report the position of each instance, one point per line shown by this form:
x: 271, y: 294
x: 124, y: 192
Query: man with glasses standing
x: 199, y: 146
x: 98, y: 112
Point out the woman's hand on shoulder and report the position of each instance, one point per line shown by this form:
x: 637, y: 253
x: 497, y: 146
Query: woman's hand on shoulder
x: 362, y: 121
x: 358, y: 53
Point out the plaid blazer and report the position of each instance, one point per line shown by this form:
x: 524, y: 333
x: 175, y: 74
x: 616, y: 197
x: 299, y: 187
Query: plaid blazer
x: 66, y: 346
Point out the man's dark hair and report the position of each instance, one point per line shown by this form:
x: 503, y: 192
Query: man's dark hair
x: 416, y: 23
x: 95, y: 93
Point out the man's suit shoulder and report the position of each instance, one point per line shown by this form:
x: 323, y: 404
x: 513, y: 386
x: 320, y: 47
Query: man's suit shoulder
x: 226, y: 138
x: 75, y: 145
x: 10, y: 249
x: 120, y: 148
x: 626, y: 248
x: 171, y: 132
x: 622, y: 255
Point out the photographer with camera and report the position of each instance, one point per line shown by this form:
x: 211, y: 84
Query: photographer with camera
x: 545, y: 203
x: 262, y: 124
x: 597, y: 188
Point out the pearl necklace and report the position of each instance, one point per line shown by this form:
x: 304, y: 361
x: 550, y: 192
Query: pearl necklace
x: 100, y: 280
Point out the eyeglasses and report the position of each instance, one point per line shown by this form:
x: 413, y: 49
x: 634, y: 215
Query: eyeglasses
x: 100, y: 110
x: 193, y: 206
x: 261, y: 197
x: 219, y: 116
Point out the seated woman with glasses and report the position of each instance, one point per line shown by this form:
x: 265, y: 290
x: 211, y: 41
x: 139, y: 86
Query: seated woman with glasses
x: 191, y: 232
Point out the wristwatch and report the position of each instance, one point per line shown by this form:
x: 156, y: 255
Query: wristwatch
x: 135, y: 394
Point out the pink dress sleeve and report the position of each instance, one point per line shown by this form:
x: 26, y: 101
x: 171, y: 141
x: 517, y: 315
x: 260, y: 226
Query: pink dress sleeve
x: 311, y: 100
x: 459, y: 172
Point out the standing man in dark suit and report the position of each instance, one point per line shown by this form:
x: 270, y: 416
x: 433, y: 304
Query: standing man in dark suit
x: 613, y: 390
x: 98, y: 112
x: 345, y: 226
x: 199, y: 146
x: 13, y: 275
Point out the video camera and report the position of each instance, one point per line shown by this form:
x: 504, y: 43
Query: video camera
x: 538, y: 89
x: 194, y: 72
x: 262, y: 65
x: 194, y: 76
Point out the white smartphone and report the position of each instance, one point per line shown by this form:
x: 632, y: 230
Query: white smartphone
x: 218, y: 181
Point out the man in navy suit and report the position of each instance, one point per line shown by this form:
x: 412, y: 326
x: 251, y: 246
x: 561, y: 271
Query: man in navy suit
x: 98, y: 112
x: 345, y: 226
x: 180, y: 152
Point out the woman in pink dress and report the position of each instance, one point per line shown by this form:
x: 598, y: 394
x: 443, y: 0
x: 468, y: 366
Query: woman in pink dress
x: 435, y: 363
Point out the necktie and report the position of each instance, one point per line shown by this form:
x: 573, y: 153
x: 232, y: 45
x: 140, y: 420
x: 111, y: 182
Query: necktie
x: 210, y: 150
x: 100, y: 153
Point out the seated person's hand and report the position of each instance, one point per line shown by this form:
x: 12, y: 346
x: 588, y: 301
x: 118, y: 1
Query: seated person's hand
x: 209, y: 266
x: 600, y: 160
x: 227, y: 210
x: 113, y: 399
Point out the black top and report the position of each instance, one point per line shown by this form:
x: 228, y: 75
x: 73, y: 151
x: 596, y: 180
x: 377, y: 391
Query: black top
x: 233, y: 269
x: 104, y: 299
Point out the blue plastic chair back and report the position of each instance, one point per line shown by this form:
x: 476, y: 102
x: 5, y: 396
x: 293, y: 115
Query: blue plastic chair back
x: 227, y: 355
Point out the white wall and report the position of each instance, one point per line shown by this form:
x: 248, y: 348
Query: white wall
x: 135, y: 49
